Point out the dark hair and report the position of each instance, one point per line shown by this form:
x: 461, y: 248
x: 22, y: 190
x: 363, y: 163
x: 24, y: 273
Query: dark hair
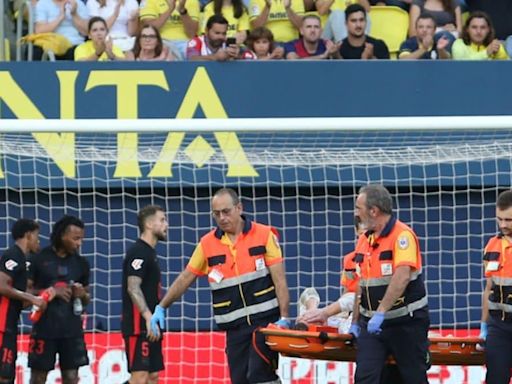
x: 60, y: 228
x: 216, y: 19
x: 145, y: 213
x: 425, y: 16
x: 228, y: 191
x: 22, y: 226
x: 378, y: 196
x: 260, y: 33
x: 504, y: 200
x: 353, y: 8
x: 478, y: 15
x: 95, y: 19
x: 238, y: 8
x: 136, y: 46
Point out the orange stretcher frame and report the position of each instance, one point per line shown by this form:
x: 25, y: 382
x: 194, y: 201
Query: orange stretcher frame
x: 324, y: 343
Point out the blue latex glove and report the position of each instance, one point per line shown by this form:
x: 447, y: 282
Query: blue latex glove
x: 483, y: 331
x: 158, y: 320
x: 355, y: 330
x: 375, y: 323
x: 284, y: 322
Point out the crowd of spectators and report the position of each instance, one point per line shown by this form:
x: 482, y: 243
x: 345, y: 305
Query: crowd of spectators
x: 224, y: 30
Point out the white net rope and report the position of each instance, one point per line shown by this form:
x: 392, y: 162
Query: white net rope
x: 444, y: 184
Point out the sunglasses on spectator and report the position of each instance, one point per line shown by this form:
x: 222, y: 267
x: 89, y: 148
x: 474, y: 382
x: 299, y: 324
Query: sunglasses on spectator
x: 149, y: 37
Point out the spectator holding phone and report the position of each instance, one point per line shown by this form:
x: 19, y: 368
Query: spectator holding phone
x: 213, y: 44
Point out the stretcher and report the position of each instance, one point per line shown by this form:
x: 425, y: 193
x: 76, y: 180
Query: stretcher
x: 325, y: 343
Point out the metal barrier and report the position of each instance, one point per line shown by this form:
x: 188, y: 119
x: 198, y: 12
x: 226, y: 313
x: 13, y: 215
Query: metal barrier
x: 19, y: 29
x: 2, y: 31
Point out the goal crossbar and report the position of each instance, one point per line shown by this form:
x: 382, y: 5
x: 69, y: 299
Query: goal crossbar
x: 258, y: 124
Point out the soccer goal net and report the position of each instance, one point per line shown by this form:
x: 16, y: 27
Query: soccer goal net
x: 303, y: 182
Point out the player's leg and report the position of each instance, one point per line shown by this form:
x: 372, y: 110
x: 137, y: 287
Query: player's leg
x: 69, y: 376
x: 72, y: 355
x: 8, y: 354
x: 153, y: 378
x: 138, y: 355
x: 156, y: 361
x: 41, y: 359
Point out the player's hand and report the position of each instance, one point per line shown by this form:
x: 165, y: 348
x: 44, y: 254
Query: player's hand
x: 374, y: 325
x: 316, y: 316
x: 39, y: 303
x: 78, y: 290
x: 157, y: 320
x: 63, y: 292
x: 284, y: 322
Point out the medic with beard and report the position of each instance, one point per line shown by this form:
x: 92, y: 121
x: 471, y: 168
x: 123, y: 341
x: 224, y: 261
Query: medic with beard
x: 496, y: 326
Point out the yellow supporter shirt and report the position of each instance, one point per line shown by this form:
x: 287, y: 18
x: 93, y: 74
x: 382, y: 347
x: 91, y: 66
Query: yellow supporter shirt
x: 278, y: 21
x: 173, y: 28
x: 235, y: 25
x: 199, y: 266
x: 86, y: 49
x: 461, y: 51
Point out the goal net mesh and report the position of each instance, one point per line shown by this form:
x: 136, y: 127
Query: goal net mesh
x: 444, y: 185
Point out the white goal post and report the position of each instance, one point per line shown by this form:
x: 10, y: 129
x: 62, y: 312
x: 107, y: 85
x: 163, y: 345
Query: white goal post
x: 300, y: 175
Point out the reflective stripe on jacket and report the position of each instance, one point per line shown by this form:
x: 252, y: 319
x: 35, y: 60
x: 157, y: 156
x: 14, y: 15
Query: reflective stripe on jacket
x: 375, y: 259
x: 241, y: 284
x: 498, y: 267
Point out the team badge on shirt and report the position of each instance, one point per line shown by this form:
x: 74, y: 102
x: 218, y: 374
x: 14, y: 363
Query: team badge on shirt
x: 27, y: 265
x: 10, y: 265
x: 137, y: 264
x: 403, y: 242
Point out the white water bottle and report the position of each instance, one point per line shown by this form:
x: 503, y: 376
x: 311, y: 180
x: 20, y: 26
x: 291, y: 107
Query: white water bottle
x: 77, y: 306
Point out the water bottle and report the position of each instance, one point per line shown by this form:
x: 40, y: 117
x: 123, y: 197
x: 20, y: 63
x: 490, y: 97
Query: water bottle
x: 77, y: 306
x: 36, y: 313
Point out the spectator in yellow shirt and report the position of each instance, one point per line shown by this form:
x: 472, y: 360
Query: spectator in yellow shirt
x: 177, y: 21
x: 478, y: 41
x: 99, y: 47
x: 234, y: 12
x: 282, y: 17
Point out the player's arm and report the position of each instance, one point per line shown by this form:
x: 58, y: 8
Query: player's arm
x: 137, y: 297
x: 178, y: 288
x: 7, y: 290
